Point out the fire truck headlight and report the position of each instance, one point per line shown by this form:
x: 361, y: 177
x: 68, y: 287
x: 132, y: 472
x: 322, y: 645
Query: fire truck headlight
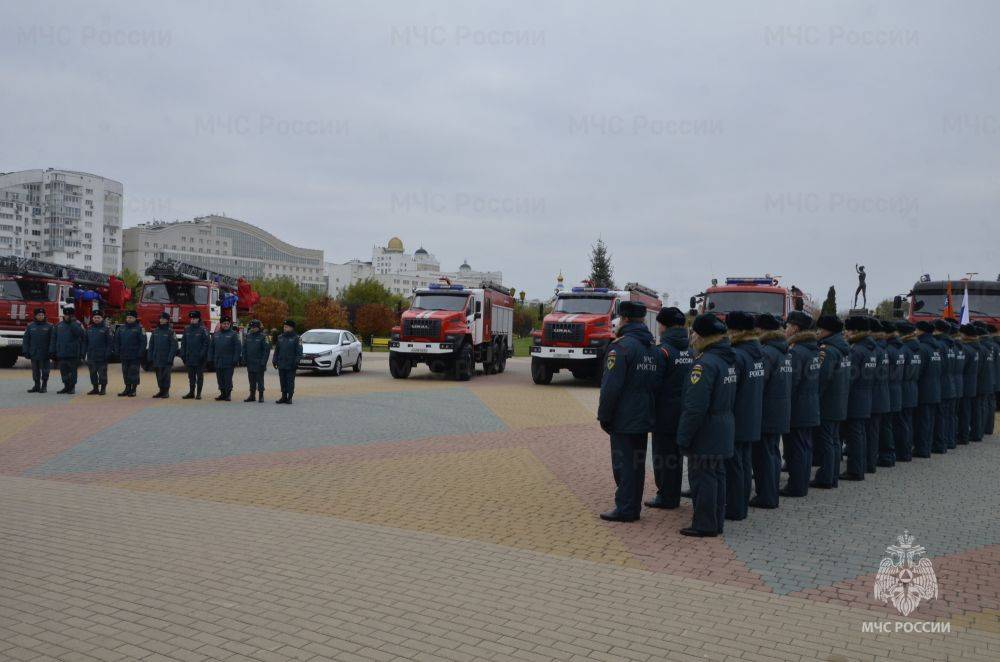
x: 536, y: 340
x: 394, y: 336
x: 452, y: 337
x: 596, y: 342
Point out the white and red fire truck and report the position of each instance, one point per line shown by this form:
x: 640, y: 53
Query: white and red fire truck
x: 575, y: 335
x: 753, y: 294
x: 27, y: 284
x: 451, y: 328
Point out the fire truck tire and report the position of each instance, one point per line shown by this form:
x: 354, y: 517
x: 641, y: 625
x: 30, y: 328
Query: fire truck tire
x: 464, y: 364
x: 8, y: 358
x: 337, y: 367
x: 502, y: 362
x: 357, y: 366
x: 540, y: 373
x: 399, y: 368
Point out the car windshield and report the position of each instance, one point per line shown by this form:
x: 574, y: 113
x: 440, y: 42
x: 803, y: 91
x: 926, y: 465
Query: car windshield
x: 321, y: 337
x: 982, y: 303
x: 451, y: 302
x: 28, y: 290
x: 176, y: 293
x: 751, y: 302
x: 585, y: 305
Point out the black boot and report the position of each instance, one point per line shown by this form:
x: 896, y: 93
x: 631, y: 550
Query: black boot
x: 260, y: 397
x: 188, y: 396
x: 159, y: 394
x: 63, y: 390
x: 250, y: 398
x: 288, y: 399
x: 104, y: 390
x: 70, y: 390
x: 35, y: 389
x: 132, y: 389
x: 45, y: 386
x: 94, y: 390
x: 126, y: 392
x: 283, y: 400
x: 197, y: 396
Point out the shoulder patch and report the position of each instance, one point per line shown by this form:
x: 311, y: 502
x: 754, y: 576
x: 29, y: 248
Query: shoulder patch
x: 612, y: 357
x: 696, y: 373
x: 666, y: 354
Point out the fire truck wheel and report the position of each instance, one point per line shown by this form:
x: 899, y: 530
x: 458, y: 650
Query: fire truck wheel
x: 8, y: 358
x: 337, y: 367
x: 540, y: 373
x: 502, y: 362
x: 464, y: 365
x: 399, y: 368
x: 357, y: 366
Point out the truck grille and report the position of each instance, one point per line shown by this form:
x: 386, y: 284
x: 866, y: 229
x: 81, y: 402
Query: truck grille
x: 562, y: 332
x: 422, y: 328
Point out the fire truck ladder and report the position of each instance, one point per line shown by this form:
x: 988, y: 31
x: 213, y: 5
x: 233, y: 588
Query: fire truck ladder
x: 177, y: 270
x: 490, y: 285
x: 642, y: 289
x: 25, y: 266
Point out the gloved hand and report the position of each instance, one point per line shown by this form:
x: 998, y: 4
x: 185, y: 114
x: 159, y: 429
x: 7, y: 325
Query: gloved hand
x: 606, y: 426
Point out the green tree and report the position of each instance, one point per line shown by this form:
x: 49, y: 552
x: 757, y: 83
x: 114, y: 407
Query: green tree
x: 830, y: 305
x: 131, y: 279
x: 601, y: 272
x: 368, y: 291
x: 287, y: 290
x: 884, y: 309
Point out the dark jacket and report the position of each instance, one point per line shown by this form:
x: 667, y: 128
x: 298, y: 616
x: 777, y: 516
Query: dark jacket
x: 996, y: 362
x: 225, y: 350
x: 749, y: 410
x: 948, y: 366
x: 863, y: 366
x: 834, y: 377
x: 911, y: 374
x: 987, y: 361
x: 162, y: 346
x: 674, y: 345
x: 68, y: 341
x: 881, y: 403
x: 777, y: 413
x: 970, y: 371
x: 194, y: 345
x: 805, y: 380
x: 287, y: 351
x: 36, y: 340
x: 130, y: 342
x: 633, y: 375
x: 100, y: 343
x: 708, y: 427
x: 930, y: 370
x: 897, y: 369
x: 256, y: 351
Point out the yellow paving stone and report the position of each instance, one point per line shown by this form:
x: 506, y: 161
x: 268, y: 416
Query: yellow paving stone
x: 987, y: 620
x: 520, y: 407
x: 11, y: 423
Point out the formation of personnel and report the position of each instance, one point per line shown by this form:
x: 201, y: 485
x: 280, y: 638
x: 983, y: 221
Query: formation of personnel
x: 741, y: 397
x: 68, y: 344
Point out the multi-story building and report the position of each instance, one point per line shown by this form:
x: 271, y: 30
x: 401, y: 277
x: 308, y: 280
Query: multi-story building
x: 225, y: 245
x: 64, y: 216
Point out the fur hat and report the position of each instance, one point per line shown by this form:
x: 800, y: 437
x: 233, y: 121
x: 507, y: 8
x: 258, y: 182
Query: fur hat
x: 256, y: 323
x: 671, y: 317
x: 941, y: 325
x: 800, y: 319
x: 225, y: 318
x: 767, y: 322
x: 969, y: 330
x: 708, y: 324
x: 830, y: 323
x: 738, y: 320
x: 195, y: 314
x: 905, y: 327
x: 857, y: 323
x: 632, y: 309
x: 925, y: 327
x: 991, y: 328
x: 164, y: 315
x: 39, y: 311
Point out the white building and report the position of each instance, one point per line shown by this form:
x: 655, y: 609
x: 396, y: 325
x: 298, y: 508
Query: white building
x: 225, y: 245
x: 63, y: 216
x: 400, y: 272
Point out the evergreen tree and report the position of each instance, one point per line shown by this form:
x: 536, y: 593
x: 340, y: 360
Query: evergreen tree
x: 830, y: 305
x: 601, y: 272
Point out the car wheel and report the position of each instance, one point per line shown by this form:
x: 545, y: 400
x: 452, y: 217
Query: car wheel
x: 357, y: 366
x: 337, y: 367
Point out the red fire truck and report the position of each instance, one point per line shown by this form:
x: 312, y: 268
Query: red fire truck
x: 453, y: 327
x: 929, y: 298
x: 755, y: 294
x: 575, y: 335
x: 178, y: 288
x: 27, y: 284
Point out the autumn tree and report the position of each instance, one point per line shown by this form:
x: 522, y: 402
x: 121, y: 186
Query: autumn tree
x: 271, y: 312
x: 373, y: 319
x: 325, y: 313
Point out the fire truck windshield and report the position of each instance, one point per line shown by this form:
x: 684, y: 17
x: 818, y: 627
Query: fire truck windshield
x: 583, y: 305
x: 175, y: 293
x: 28, y: 290
x: 982, y: 302
x: 451, y: 302
x: 751, y: 302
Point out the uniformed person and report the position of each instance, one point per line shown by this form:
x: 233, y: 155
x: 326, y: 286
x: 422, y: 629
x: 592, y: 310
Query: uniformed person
x: 707, y: 429
x: 35, y: 347
x: 100, y: 343
x: 969, y: 428
x: 668, y: 462
x: 834, y: 387
x: 68, y: 346
x: 890, y: 421
x: 942, y: 424
x: 130, y: 347
x: 985, y: 385
x: 256, y: 351
x: 765, y: 457
x: 991, y: 397
x: 798, y: 443
x: 859, y: 400
x: 225, y: 352
x: 880, y: 398
x: 958, y: 372
x: 633, y: 375
x: 161, y: 352
x: 286, y: 357
x: 749, y: 411
x: 195, y: 341
x: 929, y: 390
x: 909, y: 350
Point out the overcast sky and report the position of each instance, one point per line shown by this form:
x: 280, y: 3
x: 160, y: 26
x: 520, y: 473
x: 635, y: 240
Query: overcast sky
x: 698, y: 139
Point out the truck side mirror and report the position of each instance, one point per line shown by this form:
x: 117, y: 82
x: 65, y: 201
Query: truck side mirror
x: 918, y: 305
x: 711, y: 305
x: 693, y: 303
x: 897, y: 302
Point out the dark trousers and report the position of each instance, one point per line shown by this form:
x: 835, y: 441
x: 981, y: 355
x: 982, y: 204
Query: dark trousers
x: 902, y: 434
x: 964, y: 432
x: 827, y: 447
x: 989, y: 413
x: 628, y: 464
x: 40, y: 370
x: 887, y: 440
x: 256, y: 378
x: 975, y: 419
x: 196, y: 378
x: 853, y: 432
x: 668, y: 468
x: 287, y: 379
x: 163, y: 378
x: 224, y: 376
x: 708, y: 493
x: 951, y: 418
x: 939, y: 443
x: 923, y: 429
x: 873, y: 429
x: 130, y: 372
x: 739, y: 474
x: 765, y: 458
x: 98, y: 373
x: 798, y: 455
x: 68, y: 372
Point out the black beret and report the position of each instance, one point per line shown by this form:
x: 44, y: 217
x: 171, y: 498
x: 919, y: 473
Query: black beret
x: 887, y: 326
x: 255, y: 323
x: 952, y: 327
x: 738, y: 320
x: 671, y: 317
x: 225, y: 318
x: 969, y: 330
x: 800, y: 319
x: 130, y: 313
x: 925, y: 326
x: 290, y: 323
x: 195, y: 314
x: 830, y: 323
x: 905, y: 327
x: 164, y: 315
x: 857, y: 323
x: 979, y: 324
x: 632, y: 309
x: 767, y: 322
x: 39, y: 311
x: 708, y: 324
x: 941, y: 325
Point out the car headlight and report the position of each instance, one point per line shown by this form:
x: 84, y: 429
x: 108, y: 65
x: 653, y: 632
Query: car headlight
x: 326, y: 353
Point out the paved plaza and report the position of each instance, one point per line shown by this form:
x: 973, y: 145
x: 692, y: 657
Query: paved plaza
x: 427, y: 519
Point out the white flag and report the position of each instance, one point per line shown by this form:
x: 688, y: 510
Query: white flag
x: 965, y: 306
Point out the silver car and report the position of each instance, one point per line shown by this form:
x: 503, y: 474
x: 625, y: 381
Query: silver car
x: 330, y: 350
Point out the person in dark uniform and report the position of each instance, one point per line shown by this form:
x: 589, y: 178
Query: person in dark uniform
x: 834, y: 387
x: 633, y: 376
x: 668, y: 463
x: 225, y: 352
x: 880, y: 397
x: 957, y: 377
x: 130, y: 347
x: 806, y: 367
x: 100, y: 342
x: 891, y: 421
x: 910, y: 348
x: 989, y: 337
x: 161, y: 352
x: 68, y: 346
x: 35, y: 348
x: 929, y: 390
x: 194, y: 353
x: 765, y: 457
x: 859, y: 400
x: 749, y: 411
x: 286, y: 357
x: 707, y: 429
x: 985, y: 386
x: 256, y: 351
x: 942, y: 423
x: 968, y: 422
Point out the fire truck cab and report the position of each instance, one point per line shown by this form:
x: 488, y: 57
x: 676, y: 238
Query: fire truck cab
x: 451, y: 328
x: 754, y: 294
x: 583, y: 321
x: 929, y: 298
